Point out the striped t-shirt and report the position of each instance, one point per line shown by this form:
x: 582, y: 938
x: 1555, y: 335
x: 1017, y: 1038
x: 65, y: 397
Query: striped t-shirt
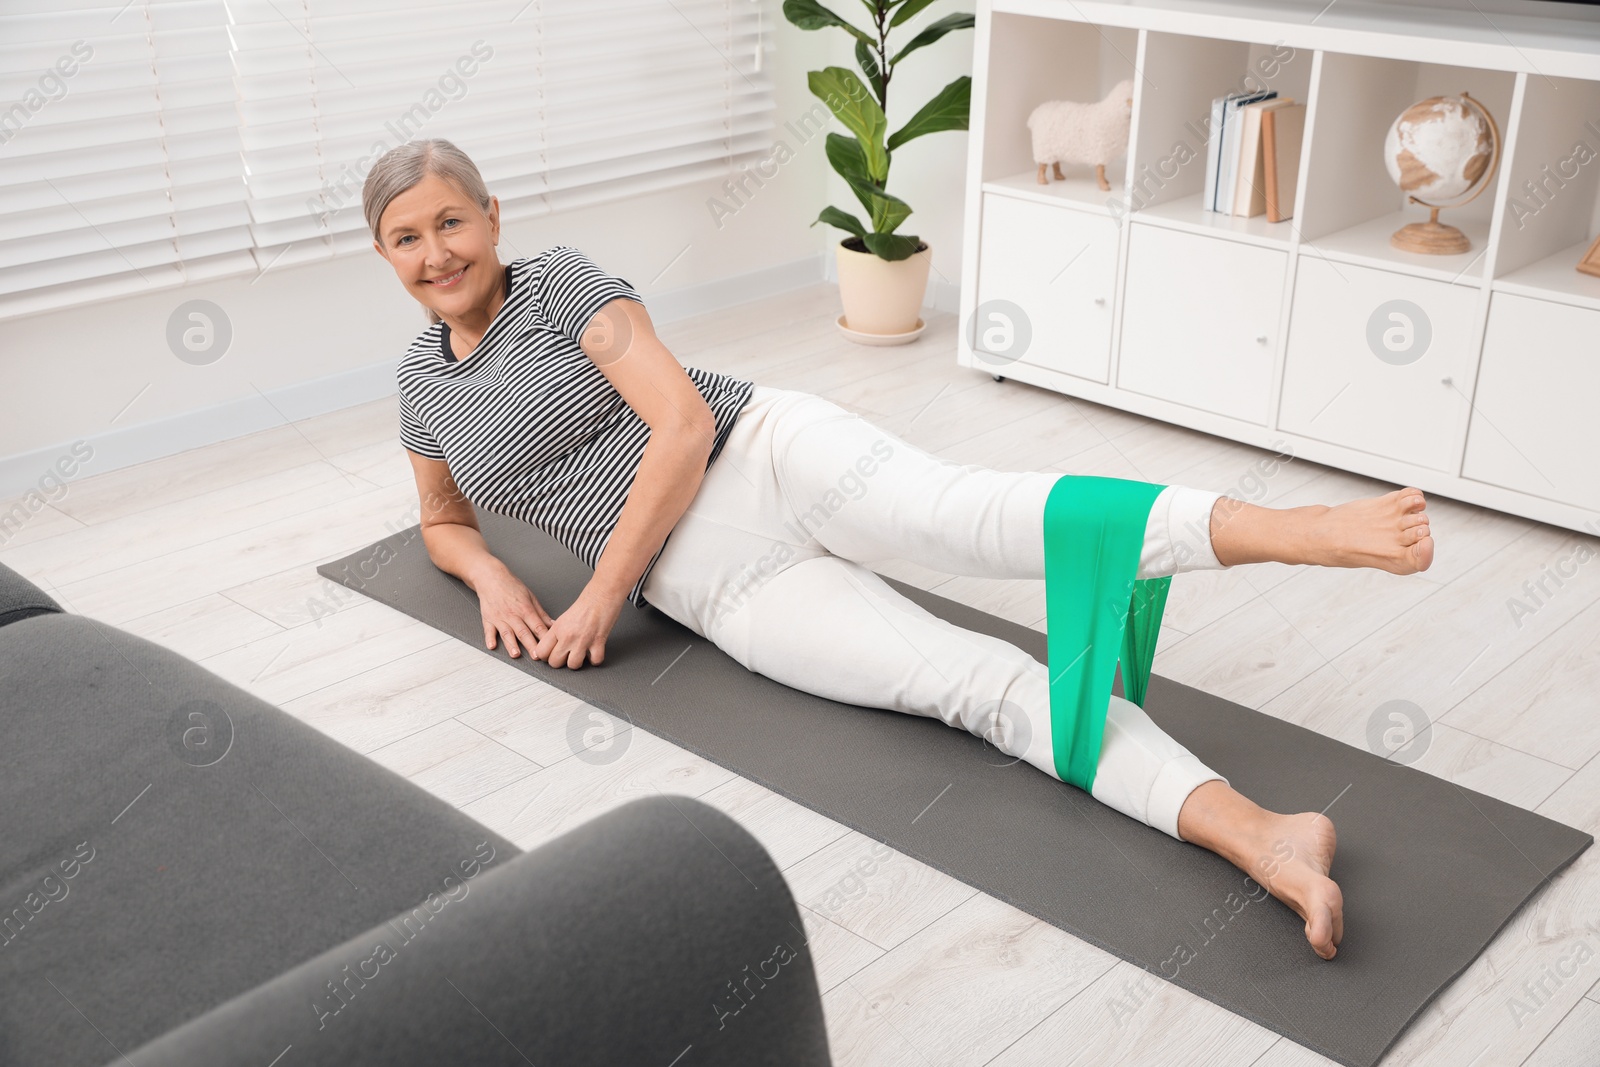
x: 527, y: 423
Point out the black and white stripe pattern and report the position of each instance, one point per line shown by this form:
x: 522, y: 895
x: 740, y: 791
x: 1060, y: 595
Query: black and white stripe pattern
x: 528, y: 425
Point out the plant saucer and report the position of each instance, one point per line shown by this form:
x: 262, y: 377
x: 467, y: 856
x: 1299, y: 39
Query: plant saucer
x: 880, y: 338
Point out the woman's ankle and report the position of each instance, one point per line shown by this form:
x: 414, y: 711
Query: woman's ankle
x: 1218, y: 817
x: 1242, y: 532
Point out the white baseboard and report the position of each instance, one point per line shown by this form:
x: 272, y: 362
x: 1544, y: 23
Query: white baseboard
x: 36, y: 472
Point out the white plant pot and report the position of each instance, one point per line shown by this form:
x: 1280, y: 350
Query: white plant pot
x: 882, y: 298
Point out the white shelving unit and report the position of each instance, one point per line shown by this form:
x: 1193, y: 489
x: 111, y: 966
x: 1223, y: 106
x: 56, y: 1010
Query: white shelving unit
x: 1139, y: 299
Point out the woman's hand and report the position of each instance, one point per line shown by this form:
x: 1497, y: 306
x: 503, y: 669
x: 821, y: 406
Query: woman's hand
x: 580, y: 631
x: 510, y: 610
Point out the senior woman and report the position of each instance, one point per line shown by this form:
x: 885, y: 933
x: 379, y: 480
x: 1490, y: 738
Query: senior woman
x: 729, y: 506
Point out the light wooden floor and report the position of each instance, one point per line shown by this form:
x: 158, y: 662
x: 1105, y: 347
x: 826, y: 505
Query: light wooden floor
x: 212, y: 553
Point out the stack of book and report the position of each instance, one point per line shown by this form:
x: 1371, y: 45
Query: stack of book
x: 1253, y: 154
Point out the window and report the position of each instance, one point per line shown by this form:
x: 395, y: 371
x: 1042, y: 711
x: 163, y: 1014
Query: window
x: 148, y: 143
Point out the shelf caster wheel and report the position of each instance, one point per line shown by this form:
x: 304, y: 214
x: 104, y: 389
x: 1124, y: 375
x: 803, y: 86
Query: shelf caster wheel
x: 998, y: 377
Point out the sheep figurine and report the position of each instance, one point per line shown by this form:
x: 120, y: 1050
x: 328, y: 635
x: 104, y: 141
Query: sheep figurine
x: 1066, y: 131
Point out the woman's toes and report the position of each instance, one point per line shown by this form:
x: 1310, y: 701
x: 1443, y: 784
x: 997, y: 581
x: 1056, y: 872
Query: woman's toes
x: 1294, y: 868
x: 1389, y: 532
x: 1319, y: 900
x: 1415, y: 536
x: 1319, y: 931
x: 1421, y: 550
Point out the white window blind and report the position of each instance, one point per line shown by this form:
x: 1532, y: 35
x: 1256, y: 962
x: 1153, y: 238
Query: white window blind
x: 208, y: 138
x: 119, y: 161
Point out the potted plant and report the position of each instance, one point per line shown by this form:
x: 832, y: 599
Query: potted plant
x: 883, y: 275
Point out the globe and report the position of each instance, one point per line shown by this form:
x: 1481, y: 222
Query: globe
x: 1440, y: 149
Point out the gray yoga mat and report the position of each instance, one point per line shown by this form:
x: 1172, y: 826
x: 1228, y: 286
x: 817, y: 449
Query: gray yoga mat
x: 1430, y: 870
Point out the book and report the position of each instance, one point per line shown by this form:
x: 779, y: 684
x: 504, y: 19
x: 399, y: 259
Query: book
x: 1208, y: 199
x: 1281, y: 133
x: 1229, y: 155
x: 1249, y: 194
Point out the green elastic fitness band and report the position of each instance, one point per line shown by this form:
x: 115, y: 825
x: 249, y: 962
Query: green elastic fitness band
x: 1095, y: 607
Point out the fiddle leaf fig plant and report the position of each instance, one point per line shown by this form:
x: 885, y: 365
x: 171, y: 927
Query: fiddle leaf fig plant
x: 862, y: 159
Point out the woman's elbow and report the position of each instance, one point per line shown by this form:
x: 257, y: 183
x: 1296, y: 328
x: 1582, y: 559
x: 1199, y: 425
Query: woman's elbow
x: 693, y: 434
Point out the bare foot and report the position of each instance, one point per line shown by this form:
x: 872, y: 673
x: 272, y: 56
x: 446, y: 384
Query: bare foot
x: 1389, y: 532
x: 1291, y: 860
x: 1288, y: 854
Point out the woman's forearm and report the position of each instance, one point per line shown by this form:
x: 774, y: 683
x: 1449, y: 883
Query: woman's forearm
x: 669, y: 475
x: 458, y: 549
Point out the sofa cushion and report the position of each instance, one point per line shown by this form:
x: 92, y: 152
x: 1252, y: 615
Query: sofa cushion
x: 20, y: 598
x: 171, y: 841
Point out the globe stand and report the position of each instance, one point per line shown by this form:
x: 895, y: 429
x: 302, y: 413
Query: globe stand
x: 1435, y: 238
x: 1431, y: 238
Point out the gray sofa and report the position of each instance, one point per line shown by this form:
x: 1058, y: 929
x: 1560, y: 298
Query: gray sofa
x: 189, y: 876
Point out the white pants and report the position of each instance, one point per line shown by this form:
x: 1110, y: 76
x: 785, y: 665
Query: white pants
x: 771, y: 564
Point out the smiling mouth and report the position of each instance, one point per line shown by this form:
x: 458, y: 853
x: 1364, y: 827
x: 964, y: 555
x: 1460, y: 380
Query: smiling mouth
x: 447, y: 281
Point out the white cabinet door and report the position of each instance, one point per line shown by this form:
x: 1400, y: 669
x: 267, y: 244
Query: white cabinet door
x: 1199, y: 321
x: 1046, y: 288
x: 1379, y: 361
x: 1533, y: 427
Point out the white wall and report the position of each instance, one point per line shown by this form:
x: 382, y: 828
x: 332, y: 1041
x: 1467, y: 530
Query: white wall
x: 317, y: 337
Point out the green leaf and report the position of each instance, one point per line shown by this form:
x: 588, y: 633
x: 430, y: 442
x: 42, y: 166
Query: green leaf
x: 887, y: 210
x: 852, y: 165
x: 871, y: 68
x: 864, y: 193
x: 847, y: 158
x: 891, y: 246
x: 810, y: 15
x: 842, y: 219
x: 908, y: 10
x: 932, y: 32
x: 853, y: 105
x: 947, y: 111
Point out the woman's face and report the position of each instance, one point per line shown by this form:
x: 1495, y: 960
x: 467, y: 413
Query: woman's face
x: 435, y: 231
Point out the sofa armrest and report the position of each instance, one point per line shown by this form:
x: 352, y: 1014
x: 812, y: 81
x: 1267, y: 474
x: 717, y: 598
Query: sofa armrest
x: 660, y: 928
x: 20, y: 598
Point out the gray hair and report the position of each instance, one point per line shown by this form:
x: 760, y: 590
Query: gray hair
x: 406, y: 165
